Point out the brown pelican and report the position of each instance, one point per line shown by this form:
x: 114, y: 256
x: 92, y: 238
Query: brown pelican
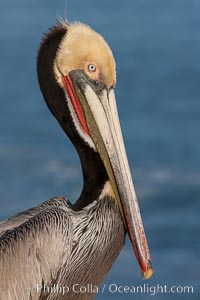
x: 49, y: 251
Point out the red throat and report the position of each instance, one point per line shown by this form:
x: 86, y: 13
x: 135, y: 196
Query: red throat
x: 67, y: 82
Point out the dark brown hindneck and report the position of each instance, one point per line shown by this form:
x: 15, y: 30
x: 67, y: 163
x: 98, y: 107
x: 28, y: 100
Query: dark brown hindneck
x: 94, y: 174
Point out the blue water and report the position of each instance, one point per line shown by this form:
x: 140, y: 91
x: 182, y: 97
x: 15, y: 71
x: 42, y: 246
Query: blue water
x: 157, y: 48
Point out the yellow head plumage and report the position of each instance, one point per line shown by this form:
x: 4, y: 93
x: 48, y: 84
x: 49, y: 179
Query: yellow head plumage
x: 81, y: 46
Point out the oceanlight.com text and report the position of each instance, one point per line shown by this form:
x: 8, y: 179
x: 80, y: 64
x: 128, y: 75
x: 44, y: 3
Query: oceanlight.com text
x: 149, y: 289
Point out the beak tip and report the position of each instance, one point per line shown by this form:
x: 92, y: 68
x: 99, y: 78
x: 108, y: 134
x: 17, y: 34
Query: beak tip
x: 149, y: 272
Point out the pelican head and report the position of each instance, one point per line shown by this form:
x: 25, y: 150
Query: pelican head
x: 81, y: 80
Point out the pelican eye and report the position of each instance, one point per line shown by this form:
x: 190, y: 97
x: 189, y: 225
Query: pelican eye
x: 91, y: 68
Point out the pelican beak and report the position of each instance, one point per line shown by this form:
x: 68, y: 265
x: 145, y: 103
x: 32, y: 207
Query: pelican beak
x: 100, y: 120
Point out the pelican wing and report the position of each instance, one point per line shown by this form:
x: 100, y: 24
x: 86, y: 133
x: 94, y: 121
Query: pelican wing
x: 24, y: 216
x: 34, y: 246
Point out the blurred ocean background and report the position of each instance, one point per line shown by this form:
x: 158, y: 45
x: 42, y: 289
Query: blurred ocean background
x: 156, y: 44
